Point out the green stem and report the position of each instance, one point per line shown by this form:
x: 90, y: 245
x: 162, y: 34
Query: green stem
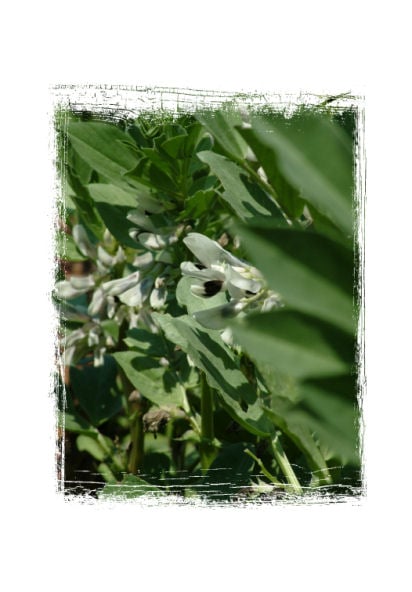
x: 264, y: 470
x: 285, y: 466
x: 268, y: 188
x: 136, y: 409
x: 207, y: 432
x: 137, y: 449
x: 137, y: 406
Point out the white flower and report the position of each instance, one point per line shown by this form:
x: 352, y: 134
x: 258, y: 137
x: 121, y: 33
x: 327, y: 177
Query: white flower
x: 219, y: 270
x: 82, y: 241
x: 75, y: 286
x: 159, y: 293
x: 120, y: 285
x: 143, y: 261
x: 136, y: 295
x: 156, y: 241
x: 98, y: 302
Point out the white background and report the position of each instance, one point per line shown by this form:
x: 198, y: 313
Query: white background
x: 319, y: 47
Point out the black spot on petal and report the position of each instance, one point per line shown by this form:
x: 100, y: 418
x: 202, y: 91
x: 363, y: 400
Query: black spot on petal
x: 212, y: 287
x: 200, y: 266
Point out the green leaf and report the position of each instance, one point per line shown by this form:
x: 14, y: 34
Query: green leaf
x: 231, y: 464
x: 221, y: 368
x: 111, y: 328
x: 288, y: 196
x: 93, y: 446
x: 334, y: 417
x: 161, y: 181
x: 77, y: 424
x: 294, y: 343
x: 130, y: 488
x: 284, y: 396
x: 236, y: 195
x: 310, y: 272
x: 153, y: 380
x: 148, y: 343
x: 162, y: 162
x: 81, y: 168
x: 143, y: 196
x: 95, y: 390
x: 113, y: 205
x: 104, y: 147
x: 88, y: 214
x: 222, y: 126
x: 325, y: 414
x: 196, y: 205
x: 176, y: 147
x: 183, y: 146
x: 194, y: 303
x: 314, y: 155
x: 203, y: 183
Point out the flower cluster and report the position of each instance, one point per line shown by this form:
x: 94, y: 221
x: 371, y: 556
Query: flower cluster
x: 129, y: 298
x: 217, y: 271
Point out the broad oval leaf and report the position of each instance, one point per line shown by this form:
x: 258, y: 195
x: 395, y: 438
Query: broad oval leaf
x: 315, y: 156
x: 243, y: 203
x: 311, y: 273
x: 223, y: 127
x: 154, y: 381
x: 222, y: 371
x: 113, y: 204
x: 95, y: 389
x: 104, y: 147
x: 295, y: 344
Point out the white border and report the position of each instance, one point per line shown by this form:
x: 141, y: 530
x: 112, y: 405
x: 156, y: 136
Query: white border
x: 261, y: 46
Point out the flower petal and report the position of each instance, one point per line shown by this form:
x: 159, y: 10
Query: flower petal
x: 116, y: 287
x: 83, y: 242
x: 208, y: 251
x: 98, y: 356
x: 111, y: 307
x: 104, y: 257
x: 97, y: 303
x: 66, y: 290
x: 273, y: 301
x: 239, y: 280
x: 158, y: 297
x: 119, y: 257
x: 143, y: 261
x: 190, y: 269
x: 82, y: 282
x: 136, y: 295
x: 156, y: 241
x: 208, y: 288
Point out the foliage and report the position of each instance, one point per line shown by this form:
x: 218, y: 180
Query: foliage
x: 208, y: 306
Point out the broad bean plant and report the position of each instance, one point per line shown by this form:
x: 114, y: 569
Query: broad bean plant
x: 207, y: 291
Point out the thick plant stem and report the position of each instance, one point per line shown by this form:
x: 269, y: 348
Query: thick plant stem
x: 137, y: 443
x: 136, y: 409
x: 207, y: 448
x: 285, y: 466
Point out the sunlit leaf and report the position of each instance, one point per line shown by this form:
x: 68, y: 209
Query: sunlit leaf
x: 233, y: 178
x: 152, y: 379
x: 222, y: 371
x: 311, y: 273
x: 294, y: 343
x: 104, y: 147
